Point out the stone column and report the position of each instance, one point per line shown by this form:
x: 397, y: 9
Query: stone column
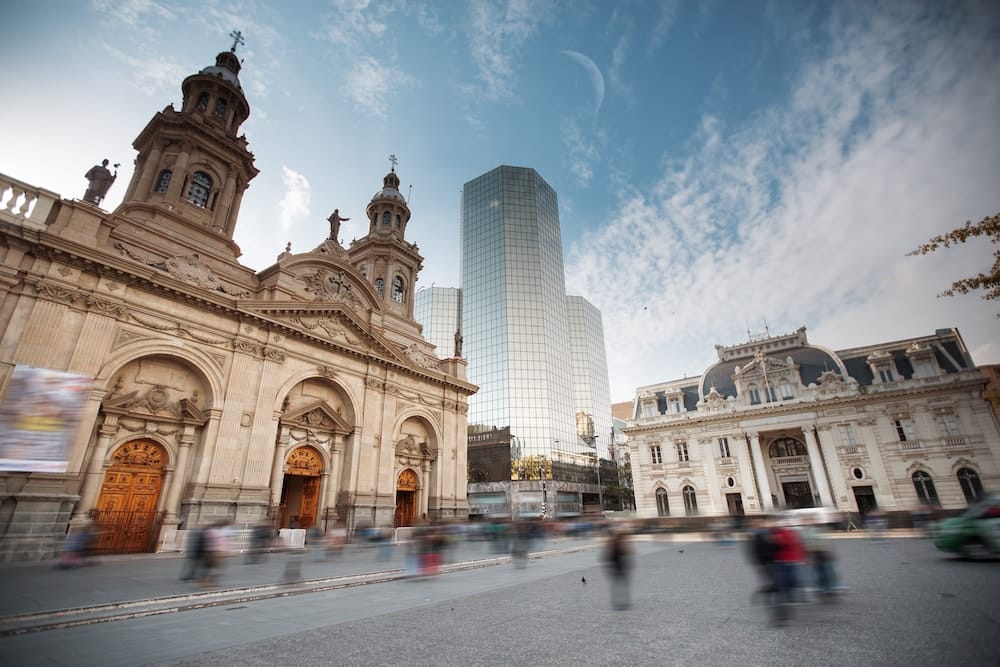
x: 834, y: 468
x: 425, y: 487
x: 712, y: 478
x: 92, y: 481
x: 180, y: 473
x: 324, y: 485
x: 816, y: 466
x: 150, y: 170
x: 178, y: 177
x: 763, y: 485
x: 336, y: 456
x: 278, y: 467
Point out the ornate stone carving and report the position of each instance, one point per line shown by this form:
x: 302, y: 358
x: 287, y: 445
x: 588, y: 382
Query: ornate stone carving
x: 140, y: 453
x: 374, y: 383
x: 274, y: 354
x: 329, y: 326
x: 246, y: 346
x: 304, y: 461
x: 333, y: 286
x: 106, y: 306
x: 58, y: 292
x: 327, y: 372
x: 185, y: 268
x: 415, y: 354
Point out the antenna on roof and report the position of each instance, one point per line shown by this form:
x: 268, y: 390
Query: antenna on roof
x: 749, y: 337
x: 766, y: 330
x: 409, y: 194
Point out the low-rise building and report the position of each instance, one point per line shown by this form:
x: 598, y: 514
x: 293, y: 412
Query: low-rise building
x: 780, y: 423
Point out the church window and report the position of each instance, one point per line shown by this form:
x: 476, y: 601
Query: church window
x: 380, y: 286
x: 220, y: 107
x: 202, y: 102
x: 682, y: 451
x: 163, y: 180
x: 386, y: 218
x: 396, y: 222
x: 201, y: 186
x: 397, y: 289
x: 662, y: 504
x: 924, y: 486
x: 904, y: 429
x: 783, y: 447
x: 724, y: 448
x: 690, y: 501
x: 972, y: 486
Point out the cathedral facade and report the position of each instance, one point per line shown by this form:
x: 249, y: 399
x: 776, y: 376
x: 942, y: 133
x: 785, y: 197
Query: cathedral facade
x: 780, y: 423
x: 201, y: 390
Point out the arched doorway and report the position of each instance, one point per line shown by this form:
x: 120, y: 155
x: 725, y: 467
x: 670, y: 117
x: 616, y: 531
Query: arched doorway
x: 300, y: 490
x: 126, y: 513
x: 406, y: 499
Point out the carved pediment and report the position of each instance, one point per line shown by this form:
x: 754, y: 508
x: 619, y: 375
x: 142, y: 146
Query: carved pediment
x: 756, y: 368
x: 317, y: 416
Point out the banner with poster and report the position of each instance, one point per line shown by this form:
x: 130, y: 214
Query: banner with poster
x: 39, y: 413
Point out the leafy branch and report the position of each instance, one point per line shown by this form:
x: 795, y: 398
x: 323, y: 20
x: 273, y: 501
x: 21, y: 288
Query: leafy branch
x: 989, y: 281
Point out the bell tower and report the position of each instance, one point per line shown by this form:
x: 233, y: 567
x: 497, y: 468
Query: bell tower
x: 193, y: 167
x: 384, y: 256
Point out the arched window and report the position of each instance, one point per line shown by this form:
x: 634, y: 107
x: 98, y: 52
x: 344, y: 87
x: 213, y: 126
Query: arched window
x: 787, y: 447
x: 201, y: 187
x: 690, y: 501
x: 972, y: 486
x: 386, y: 218
x: 163, y: 180
x: 202, y: 102
x: 220, y: 107
x: 924, y: 486
x: 395, y: 222
x: 380, y: 286
x: 662, y: 504
x: 397, y: 289
x: 786, y: 390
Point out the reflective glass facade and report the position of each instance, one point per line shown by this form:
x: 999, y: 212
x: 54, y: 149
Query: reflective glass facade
x: 591, y: 387
x: 438, y: 310
x: 514, y: 317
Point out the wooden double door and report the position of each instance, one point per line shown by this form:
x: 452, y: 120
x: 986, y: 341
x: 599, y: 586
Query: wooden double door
x: 127, y: 514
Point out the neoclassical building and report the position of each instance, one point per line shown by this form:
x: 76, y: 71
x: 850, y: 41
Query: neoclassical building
x: 780, y: 423
x: 195, y: 389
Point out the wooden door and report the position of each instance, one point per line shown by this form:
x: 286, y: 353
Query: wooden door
x: 310, y: 502
x: 126, y: 509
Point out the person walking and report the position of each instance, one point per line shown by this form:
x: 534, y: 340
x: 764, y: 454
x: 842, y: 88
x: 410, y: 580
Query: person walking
x: 618, y: 560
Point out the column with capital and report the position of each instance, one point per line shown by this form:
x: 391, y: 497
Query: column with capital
x: 336, y: 456
x: 180, y: 473
x: 816, y: 466
x: 278, y: 467
x: 763, y: 485
x: 95, y: 471
x: 712, y: 478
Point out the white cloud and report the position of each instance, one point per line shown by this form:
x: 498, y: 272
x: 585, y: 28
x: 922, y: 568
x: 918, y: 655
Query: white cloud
x: 353, y: 22
x: 151, y: 75
x: 371, y: 84
x: 582, y: 152
x: 295, y: 203
x: 132, y: 12
x: 664, y: 22
x: 497, y: 31
x: 804, y: 215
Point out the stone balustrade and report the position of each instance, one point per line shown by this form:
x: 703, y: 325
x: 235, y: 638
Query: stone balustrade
x: 24, y: 204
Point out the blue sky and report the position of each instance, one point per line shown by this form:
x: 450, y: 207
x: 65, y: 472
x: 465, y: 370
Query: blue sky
x: 718, y: 164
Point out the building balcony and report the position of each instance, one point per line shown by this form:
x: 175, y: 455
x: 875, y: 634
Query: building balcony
x: 727, y: 461
x: 910, y: 444
x: 954, y: 441
x: 789, y: 460
x: 851, y: 450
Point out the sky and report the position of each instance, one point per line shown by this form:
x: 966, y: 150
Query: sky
x: 723, y: 168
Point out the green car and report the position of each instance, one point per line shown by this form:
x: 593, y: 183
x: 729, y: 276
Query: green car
x: 973, y: 533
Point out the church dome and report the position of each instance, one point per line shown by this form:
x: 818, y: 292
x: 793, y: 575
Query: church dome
x: 227, y: 66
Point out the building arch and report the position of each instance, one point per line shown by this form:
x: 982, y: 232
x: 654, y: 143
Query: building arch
x: 349, y: 402
x: 209, y: 368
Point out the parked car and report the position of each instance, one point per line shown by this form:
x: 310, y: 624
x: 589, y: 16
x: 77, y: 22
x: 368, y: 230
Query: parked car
x: 973, y: 533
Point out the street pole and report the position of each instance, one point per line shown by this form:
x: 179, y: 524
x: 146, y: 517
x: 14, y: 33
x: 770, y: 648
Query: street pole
x: 600, y: 491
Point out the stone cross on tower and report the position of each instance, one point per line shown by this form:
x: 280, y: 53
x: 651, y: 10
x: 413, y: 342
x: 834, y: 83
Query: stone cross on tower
x: 237, y: 39
x: 394, y: 161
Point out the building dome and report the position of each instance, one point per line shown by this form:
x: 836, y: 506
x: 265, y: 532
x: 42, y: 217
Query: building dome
x: 227, y: 66
x: 812, y: 362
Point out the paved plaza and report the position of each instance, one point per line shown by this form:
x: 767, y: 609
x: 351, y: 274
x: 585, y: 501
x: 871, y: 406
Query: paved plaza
x: 906, y: 604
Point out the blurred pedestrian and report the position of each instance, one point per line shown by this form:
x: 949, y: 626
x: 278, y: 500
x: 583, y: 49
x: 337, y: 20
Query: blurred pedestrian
x: 762, y: 550
x: 79, y: 546
x: 213, y: 549
x: 194, y: 555
x: 618, y: 560
x: 261, y: 538
x: 789, y: 554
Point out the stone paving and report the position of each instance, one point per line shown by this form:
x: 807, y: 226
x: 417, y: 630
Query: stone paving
x: 906, y: 604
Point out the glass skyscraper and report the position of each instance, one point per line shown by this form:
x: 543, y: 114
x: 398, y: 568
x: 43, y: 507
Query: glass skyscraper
x: 439, y: 310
